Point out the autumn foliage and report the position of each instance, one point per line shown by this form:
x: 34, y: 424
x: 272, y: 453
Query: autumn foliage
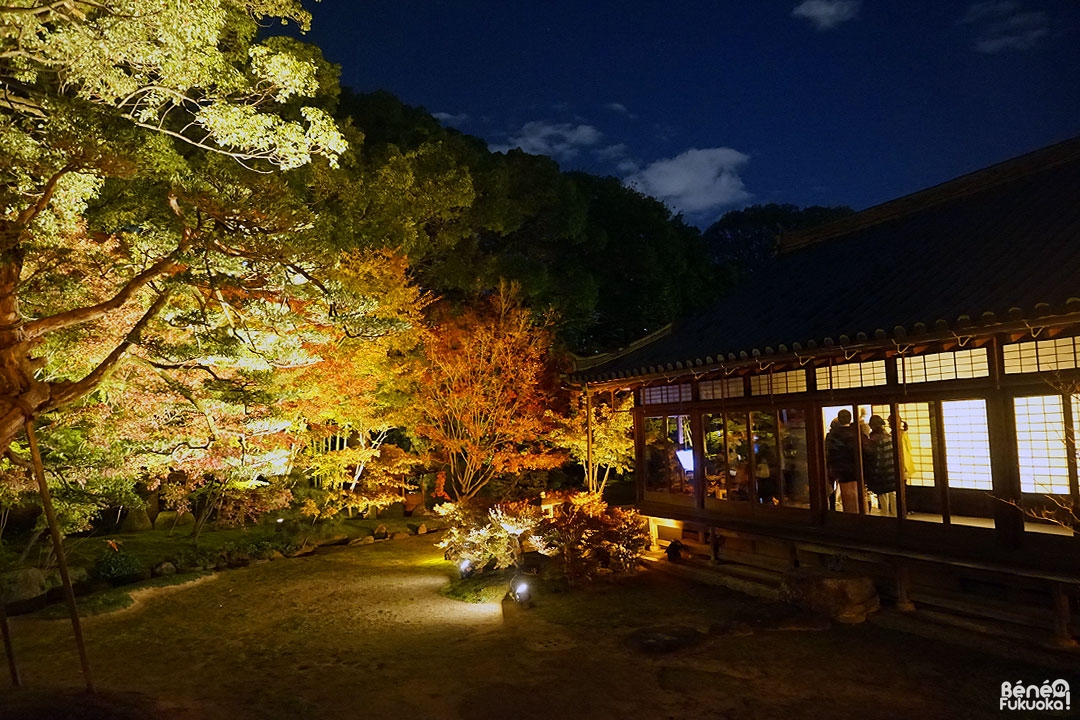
x: 481, y: 393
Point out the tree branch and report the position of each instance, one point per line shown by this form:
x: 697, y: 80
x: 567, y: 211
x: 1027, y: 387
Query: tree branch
x: 65, y: 393
x: 43, y: 326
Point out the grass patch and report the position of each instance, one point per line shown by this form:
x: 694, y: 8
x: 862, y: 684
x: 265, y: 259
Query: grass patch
x: 114, y: 599
x: 488, y: 587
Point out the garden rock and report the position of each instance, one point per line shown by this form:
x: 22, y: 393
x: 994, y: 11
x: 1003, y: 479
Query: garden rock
x: 381, y: 533
x: 165, y: 568
x: 136, y: 521
x: 339, y: 539
x: 305, y: 550
x: 169, y: 519
x: 401, y: 535
x: 275, y: 555
x: 422, y: 529
x: 24, y: 584
x: 394, y: 510
x: 165, y: 520
x: 844, y: 597
x: 419, y: 511
x: 665, y: 639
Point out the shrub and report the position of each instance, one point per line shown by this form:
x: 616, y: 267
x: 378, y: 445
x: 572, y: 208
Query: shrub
x: 492, y: 537
x: 584, y: 533
x: 588, y: 535
x: 116, y: 566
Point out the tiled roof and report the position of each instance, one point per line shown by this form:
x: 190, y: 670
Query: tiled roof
x: 999, y: 244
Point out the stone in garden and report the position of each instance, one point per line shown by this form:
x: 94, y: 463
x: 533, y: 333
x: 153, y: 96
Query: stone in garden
x: 369, y: 540
x: 185, y: 519
x: 275, y: 555
x: 422, y: 529
x: 165, y: 520
x: 165, y: 568
x: 23, y: 584
x: 305, y: 550
x: 381, y: 533
x: 665, y: 639
x: 136, y: 520
x: 338, y: 539
x: 420, y: 511
x: 844, y: 597
x: 401, y: 535
x: 393, y: 510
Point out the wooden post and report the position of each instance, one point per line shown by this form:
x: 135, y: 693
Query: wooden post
x: 903, y: 589
x: 58, y: 546
x: 12, y: 665
x: 1062, y: 615
x: 591, y: 479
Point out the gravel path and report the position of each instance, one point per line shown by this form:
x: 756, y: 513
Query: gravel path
x: 364, y: 633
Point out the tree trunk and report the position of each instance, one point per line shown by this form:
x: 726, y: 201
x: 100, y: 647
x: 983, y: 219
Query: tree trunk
x: 21, y: 395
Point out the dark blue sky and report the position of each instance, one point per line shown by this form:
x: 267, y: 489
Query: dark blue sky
x: 713, y: 105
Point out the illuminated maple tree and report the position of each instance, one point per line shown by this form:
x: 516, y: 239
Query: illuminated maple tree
x: 482, y: 392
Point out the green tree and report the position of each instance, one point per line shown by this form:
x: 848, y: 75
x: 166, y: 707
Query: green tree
x: 110, y: 122
x: 612, y: 442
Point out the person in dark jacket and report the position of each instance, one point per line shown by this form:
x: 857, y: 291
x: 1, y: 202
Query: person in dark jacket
x: 879, y: 465
x: 841, y: 447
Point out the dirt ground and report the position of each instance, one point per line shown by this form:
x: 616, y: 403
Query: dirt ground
x: 363, y: 632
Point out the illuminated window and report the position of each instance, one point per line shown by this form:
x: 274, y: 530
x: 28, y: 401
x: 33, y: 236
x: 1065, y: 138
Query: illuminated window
x: 851, y: 375
x: 1041, y: 356
x: 1040, y: 444
x: 666, y: 394
x: 778, y: 383
x: 967, y: 444
x: 918, y: 446
x: 944, y: 366
x: 720, y: 389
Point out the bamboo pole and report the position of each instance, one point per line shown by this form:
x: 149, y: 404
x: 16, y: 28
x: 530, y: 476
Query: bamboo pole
x: 58, y: 546
x: 12, y: 665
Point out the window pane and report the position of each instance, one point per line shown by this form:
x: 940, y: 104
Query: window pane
x: 669, y: 456
x: 1040, y: 444
x: 724, y: 473
x: 967, y: 444
x: 795, y: 485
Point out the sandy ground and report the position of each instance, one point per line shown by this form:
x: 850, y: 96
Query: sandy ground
x: 363, y: 632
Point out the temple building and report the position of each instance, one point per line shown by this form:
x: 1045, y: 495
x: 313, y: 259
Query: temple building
x: 898, y: 390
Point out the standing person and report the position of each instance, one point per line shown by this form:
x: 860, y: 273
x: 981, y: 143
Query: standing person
x: 879, y: 467
x: 840, y: 450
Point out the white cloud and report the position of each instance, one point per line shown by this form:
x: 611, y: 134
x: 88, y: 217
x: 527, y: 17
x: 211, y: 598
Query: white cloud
x: 451, y: 118
x: 1003, y: 25
x: 617, y: 107
x: 695, y: 182
x: 562, y: 141
x: 610, y: 152
x: 827, y: 14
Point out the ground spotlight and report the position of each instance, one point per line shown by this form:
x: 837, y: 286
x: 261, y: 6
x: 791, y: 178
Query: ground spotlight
x: 520, y: 593
x: 466, y: 569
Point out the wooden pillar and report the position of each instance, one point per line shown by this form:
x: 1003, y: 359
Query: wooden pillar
x: 641, y: 468
x: 58, y: 547
x: 903, y: 589
x: 591, y: 481
x: 1004, y: 464
x: 1062, y: 617
x: 8, y: 650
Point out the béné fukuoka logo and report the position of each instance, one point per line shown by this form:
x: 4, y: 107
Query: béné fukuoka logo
x: 1051, y: 695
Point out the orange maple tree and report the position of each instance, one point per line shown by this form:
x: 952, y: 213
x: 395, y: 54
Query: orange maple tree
x: 482, y: 392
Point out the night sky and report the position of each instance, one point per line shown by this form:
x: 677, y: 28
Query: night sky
x: 714, y: 105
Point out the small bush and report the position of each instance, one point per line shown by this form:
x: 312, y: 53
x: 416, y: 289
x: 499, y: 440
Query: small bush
x: 117, y: 567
